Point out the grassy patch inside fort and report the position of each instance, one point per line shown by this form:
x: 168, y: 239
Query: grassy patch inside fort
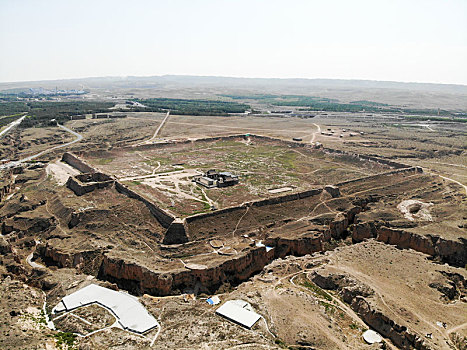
x: 164, y: 173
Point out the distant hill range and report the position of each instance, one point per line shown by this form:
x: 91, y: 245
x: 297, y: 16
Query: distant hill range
x: 406, y: 95
x: 194, y: 81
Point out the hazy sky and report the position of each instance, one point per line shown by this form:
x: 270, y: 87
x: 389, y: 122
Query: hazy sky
x: 400, y: 40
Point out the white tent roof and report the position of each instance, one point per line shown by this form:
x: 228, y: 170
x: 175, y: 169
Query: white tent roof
x: 372, y: 337
x: 128, y: 310
x: 236, y: 311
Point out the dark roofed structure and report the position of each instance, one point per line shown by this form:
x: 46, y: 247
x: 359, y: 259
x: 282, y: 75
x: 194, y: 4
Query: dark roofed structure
x: 213, y: 178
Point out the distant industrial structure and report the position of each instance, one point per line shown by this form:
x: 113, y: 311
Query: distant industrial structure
x: 78, y: 117
x: 212, y: 178
x: 107, y: 116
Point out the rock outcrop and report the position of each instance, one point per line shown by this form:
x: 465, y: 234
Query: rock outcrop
x: 6, y: 183
x: 139, y: 279
x: 358, y: 296
x: 296, y: 246
x: 28, y: 223
x: 451, y: 252
x: 87, y: 261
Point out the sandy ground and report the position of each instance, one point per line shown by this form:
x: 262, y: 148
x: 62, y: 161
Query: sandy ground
x: 61, y: 171
x: 401, y: 281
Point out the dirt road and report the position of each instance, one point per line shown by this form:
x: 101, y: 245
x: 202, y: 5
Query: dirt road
x: 156, y: 133
x: 313, y: 137
x: 27, y: 159
x: 457, y: 182
x: 12, y: 125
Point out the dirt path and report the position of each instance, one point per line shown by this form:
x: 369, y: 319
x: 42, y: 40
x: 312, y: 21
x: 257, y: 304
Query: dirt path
x: 456, y: 328
x: 341, y: 304
x: 450, y: 164
x: 149, y: 159
x: 344, y: 307
x: 140, y: 177
x: 315, y: 132
x: 246, y: 129
x: 455, y: 181
x: 156, y: 133
x: 27, y: 159
x: 12, y: 125
x: 240, y: 220
x: 366, y: 279
x: 177, y: 178
x: 32, y: 263
x: 210, y: 201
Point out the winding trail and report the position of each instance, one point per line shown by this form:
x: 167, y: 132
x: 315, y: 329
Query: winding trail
x: 343, y: 306
x: 455, y: 181
x: 243, y: 128
x: 32, y: 263
x: 380, y: 294
x: 240, y: 220
x: 27, y: 159
x: 456, y: 165
x: 315, y: 132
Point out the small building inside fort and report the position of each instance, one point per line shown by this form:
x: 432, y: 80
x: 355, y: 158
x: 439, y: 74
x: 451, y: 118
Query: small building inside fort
x: 213, y: 178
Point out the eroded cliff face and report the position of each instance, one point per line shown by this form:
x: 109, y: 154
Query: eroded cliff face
x: 86, y: 261
x: 296, y: 246
x: 402, y: 337
x: 139, y: 279
x: 6, y: 183
x: 451, y: 252
x: 28, y: 223
x: 358, y: 296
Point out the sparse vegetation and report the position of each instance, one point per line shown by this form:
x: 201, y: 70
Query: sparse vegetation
x: 118, y: 238
x: 65, y: 340
x: 104, y: 161
x: 317, y: 290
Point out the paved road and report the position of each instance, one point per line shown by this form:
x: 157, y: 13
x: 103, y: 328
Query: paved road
x: 27, y: 159
x: 12, y: 125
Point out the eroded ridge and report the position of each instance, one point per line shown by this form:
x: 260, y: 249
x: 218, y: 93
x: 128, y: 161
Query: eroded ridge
x: 254, y: 233
x: 123, y: 233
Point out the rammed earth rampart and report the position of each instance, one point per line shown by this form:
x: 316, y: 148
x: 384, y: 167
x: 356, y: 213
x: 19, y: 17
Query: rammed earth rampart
x: 179, y: 230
